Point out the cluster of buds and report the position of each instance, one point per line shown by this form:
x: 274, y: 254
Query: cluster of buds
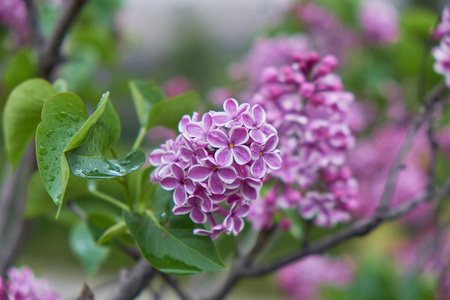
x: 442, y: 52
x: 307, y: 105
x: 217, y: 165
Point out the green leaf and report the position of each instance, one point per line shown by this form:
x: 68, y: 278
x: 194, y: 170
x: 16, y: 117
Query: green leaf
x: 144, y: 94
x: 112, y: 232
x: 60, y: 85
x: 168, y: 112
x: 63, y: 115
x: 89, y: 162
x: 65, y: 125
x: 83, y: 246
x: 39, y: 201
x: 22, y: 115
x: 20, y: 68
x: 172, y: 247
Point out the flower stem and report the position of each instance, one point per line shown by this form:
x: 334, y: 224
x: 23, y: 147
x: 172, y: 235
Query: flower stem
x: 140, y: 137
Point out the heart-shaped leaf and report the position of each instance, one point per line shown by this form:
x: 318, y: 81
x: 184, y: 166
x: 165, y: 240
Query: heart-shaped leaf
x: 65, y: 125
x: 22, y: 115
x: 172, y: 247
x: 168, y: 112
x: 144, y: 94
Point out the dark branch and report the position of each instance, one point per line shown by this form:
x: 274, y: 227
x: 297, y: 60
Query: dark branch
x: 37, y: 39
x: 50, y: 55
x: 132, y: 282
x: 174, y: 286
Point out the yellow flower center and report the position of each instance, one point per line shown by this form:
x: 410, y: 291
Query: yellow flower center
x: 231, y: 145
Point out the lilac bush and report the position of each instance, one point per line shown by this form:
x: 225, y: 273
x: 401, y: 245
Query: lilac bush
x: 216, y: 166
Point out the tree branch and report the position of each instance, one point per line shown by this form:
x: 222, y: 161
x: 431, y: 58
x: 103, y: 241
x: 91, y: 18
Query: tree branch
x: 131, y: 283
x: 50, y: 55
x: 37, y: 39
x: 174, y: 286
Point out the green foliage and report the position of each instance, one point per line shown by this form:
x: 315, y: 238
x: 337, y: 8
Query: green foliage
x: 88, y: 161
x: 22, y: 115
x: 144, y: 94
x: 39, y: 201
x: 63, y: 116
x: 21, y: 67
x: 171, y: 246
x: 112, y: 232
x: 83, y: 246
x: 168, y: 113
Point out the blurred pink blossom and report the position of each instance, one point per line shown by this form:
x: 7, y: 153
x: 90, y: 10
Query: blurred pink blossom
x: 379, y: 20
x: 176, y: 86
x: 303, y: 280
x: 23, y: 285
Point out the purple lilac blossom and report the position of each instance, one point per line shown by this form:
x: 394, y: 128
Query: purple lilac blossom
x: 379, y: 20
x: 306, y: 104
x: 211, y: 167
x: 22, y: 284
x: 441, y: 52
x: 302, y: 280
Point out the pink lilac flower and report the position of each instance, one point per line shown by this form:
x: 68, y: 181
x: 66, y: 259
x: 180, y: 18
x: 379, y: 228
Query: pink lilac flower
x: 209, y: 165
x: 176, y: 86
x: 306, y: 104
x: 443, y: 28
x: 21, y: 284
x: 379, y: 20
x: 302, y: 280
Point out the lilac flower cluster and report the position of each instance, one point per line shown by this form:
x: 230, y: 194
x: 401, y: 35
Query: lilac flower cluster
x: 379, y: 20
x: 307, y: 105
x: 22, y: 284
x: 303, y: 279
x: 442, y: 52
x: 217, y: 164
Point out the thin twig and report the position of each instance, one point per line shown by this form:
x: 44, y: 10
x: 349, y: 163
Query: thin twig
x: 418, y: 121
x: 174, y: 286
x: 433, y: 153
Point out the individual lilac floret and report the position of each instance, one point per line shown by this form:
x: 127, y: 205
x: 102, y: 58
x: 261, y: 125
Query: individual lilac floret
x: 379, y: 20
x: 211, y: 168
x: 21, y: 284
x: 443, y: 28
